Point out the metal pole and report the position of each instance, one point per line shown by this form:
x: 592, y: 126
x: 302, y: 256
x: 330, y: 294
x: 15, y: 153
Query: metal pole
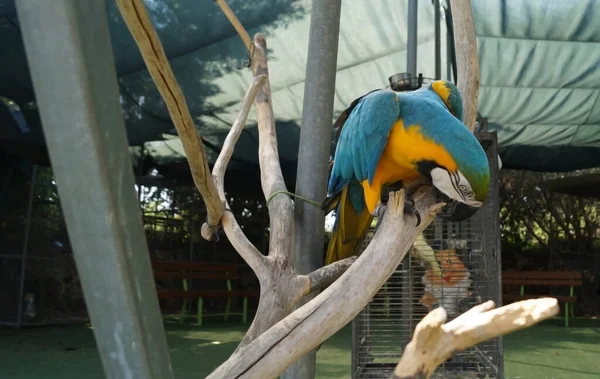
x: 448, y: 57
x: 313, y: 155
x: 411, y: 45
x: 74, y: 76
x: 26, y: 245
x: 438, y: 41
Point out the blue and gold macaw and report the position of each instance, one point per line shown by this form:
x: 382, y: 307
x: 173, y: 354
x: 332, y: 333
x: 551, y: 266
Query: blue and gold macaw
x: 387, y: 137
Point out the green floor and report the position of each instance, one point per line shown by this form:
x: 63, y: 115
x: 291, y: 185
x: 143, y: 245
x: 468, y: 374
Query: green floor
x: 546, y: 351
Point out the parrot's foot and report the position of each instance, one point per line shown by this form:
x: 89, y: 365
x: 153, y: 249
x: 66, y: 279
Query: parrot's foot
x: 410, y: 208
x: 380, y: 211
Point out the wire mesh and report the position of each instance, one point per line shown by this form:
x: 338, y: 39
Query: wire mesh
x: 453, y: 265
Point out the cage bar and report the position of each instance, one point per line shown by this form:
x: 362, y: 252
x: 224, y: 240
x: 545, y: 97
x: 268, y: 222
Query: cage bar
x: 469, y: 256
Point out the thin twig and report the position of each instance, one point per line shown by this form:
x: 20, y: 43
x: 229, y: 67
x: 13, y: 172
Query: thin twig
x: 136, y: 17
x: 226, y: 153
x: 235, y: 22
x: 236, y: 236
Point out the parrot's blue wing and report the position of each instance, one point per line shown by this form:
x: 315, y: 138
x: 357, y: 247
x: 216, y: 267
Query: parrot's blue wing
x: 363, y: 138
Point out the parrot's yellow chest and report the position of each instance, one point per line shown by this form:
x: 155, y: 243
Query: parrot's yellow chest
x: 404, y: 149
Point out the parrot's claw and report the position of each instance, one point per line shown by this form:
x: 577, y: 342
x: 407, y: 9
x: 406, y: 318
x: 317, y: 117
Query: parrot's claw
x: 380, y: 211
x: 409, y: 207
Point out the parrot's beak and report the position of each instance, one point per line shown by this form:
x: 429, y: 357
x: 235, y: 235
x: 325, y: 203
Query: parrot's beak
x: 461, y: 212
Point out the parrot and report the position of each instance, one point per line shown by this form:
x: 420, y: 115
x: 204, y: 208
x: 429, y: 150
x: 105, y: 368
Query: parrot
x: 385, y: 138
x: 423, y: 251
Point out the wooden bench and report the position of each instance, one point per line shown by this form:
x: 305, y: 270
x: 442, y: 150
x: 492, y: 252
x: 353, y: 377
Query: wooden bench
x: 186, y: 271
x: 522, y: 279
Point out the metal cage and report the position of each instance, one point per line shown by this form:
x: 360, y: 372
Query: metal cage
x: 468, y: 254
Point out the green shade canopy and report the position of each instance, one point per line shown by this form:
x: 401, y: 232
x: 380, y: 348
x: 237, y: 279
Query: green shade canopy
x: 539, y: 61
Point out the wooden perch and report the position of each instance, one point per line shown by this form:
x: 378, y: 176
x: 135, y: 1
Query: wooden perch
x: 300, y: 332
x: 136, y: 17
x: 434, y: 342
x: 467, y: 69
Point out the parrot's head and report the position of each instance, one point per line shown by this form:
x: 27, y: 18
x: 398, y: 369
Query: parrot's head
x: 449, y: 93
x: 466, y: 190
x: 464, y: 180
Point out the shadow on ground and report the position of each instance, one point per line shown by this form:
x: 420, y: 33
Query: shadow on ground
x: 67, y: 352
x: 552, y: 351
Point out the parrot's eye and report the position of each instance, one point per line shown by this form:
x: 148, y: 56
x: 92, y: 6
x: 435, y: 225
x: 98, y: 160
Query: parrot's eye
x: 454, y: 185
x: 466, y: 192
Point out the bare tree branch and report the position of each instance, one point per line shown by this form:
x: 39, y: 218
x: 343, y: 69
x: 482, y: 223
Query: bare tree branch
x: 234, y: 134
x: 434, y: 342
x: 278, y: 202
x: 136, y: 17
x: 238, y: 239
x: 324, y: 276
x: 243, y: 246
x: 297, y: 334
x: 235, y: 22
x: 465, y: 43
x: 280, y: 287
x: 280, y: 205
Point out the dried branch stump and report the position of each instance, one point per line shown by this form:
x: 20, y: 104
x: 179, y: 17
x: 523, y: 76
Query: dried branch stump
x: 324, y: 276
x: 300, y: 332
x: 434, y: 342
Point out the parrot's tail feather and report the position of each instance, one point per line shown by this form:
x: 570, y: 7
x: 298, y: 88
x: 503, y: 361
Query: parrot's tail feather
x: 349, y: 230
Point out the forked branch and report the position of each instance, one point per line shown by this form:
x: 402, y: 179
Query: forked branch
x: 300, y: 332
x: 236, y: 236
x: 434, y: 341
x: 235, y: 132
x: 279, y: 203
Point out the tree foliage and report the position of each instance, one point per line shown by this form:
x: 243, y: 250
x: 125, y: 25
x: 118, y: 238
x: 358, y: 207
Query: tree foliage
x: 534, y: 218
